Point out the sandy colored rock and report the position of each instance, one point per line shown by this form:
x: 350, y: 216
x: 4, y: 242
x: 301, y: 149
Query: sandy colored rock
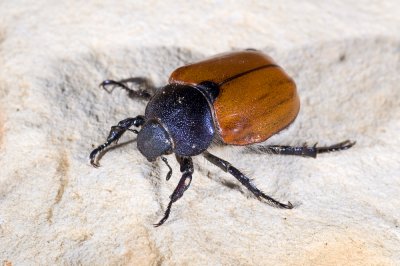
x: 55, y: 209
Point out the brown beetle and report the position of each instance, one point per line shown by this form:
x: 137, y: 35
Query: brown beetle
x: 256, y: 97
x: 239, y: 98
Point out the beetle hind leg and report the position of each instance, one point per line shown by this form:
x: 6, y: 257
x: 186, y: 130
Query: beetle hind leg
x: 184, y: 183
x: 123, y: 84
x: 306, y: 151
x: 115, y: 134
x: 227, y: 167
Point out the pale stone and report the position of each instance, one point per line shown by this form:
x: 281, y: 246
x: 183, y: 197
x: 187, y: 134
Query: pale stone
x: 55, y: 209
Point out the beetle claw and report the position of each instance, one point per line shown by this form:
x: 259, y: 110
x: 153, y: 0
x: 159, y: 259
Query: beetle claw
x: 107, y: 83
x: 94, y: 164
x: 289, y: 205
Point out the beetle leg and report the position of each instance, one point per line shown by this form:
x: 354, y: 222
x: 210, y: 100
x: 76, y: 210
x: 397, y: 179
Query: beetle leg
x: 305, y: 150
x: 141, y: 82
x: 115, y: 134
x: 227, y: 167
x: 184, y: 183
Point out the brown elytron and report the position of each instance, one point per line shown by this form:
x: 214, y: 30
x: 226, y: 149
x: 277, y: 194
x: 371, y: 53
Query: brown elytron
x: 257, y: 98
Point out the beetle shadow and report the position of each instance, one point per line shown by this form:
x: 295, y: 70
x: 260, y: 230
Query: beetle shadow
x: 226, y: 183
x: 231, y: 185
x: 111, y: 148
x: 242, y: 190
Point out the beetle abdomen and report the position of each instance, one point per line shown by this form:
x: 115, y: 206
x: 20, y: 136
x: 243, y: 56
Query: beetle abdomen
x: 256, y: 97
x: 186, y: 114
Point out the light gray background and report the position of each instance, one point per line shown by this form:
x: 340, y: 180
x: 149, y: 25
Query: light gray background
x: 56, y: 209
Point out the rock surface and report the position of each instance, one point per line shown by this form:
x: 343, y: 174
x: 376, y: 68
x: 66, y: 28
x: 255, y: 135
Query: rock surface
x: 57, y: 209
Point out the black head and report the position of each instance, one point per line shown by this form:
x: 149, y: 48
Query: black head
x: 153, y: 140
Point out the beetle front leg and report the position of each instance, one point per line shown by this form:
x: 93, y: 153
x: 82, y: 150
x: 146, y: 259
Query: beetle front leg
x: 184, y: 183
x: 305, y: 150
x: 140, y: 81
x: 227, y: 167
x: 115, y: 134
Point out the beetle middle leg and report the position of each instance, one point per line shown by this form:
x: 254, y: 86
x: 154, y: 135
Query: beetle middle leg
x: 115, y: 134
x: 140, y: 81
x: 227, y: 167
x: 305, y: 150
x: 187, y: 169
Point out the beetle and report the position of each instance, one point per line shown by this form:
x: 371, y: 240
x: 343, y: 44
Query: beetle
x: 237, y: 98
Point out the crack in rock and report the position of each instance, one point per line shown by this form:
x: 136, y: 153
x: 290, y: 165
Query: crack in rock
x: 61, y: 172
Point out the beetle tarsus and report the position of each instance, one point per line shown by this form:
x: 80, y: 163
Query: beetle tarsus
x: 306, y: 151
x: 115, y: 134
x: 227, y: 167
x: 141, y: 82
x: 336, y: 147
x: 93, y: 154
x: 184, y: 183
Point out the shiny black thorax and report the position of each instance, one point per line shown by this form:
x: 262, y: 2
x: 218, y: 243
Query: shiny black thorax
x: 186, y: 114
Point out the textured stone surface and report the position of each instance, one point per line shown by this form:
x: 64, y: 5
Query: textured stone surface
x: 56, y: 209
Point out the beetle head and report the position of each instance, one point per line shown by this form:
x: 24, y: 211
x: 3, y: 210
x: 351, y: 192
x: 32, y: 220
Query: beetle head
x: 153, y: 140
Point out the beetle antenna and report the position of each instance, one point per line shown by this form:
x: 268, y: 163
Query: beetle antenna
x: 170, y: 169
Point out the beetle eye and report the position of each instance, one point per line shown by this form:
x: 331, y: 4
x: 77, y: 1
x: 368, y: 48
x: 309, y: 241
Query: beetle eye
x: 153, y: 140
